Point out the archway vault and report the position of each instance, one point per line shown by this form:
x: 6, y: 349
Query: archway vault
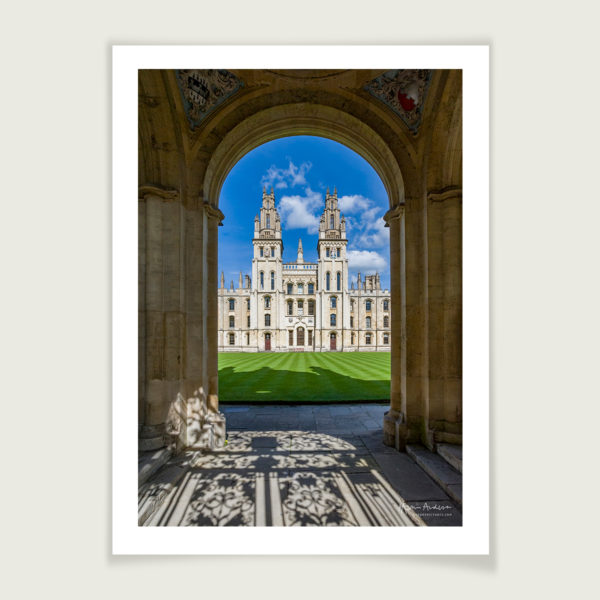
x: 182, y: 170
x: 303, y: 119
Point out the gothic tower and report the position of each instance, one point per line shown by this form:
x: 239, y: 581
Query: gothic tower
x: 333, y: 273
x: 265, y: 305
x: 268, y: 246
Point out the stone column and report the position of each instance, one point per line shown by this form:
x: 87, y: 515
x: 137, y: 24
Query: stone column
x: 452, y: 231
x: 215, y: 419
x: 394, y: 422
x: 436, y: 257
x: 152, y: 361
x: 213, y: 220
x: 417, y: 322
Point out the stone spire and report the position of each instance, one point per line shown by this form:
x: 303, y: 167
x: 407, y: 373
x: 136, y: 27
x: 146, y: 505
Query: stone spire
x: 222, y: 280
x: 231, y: 285
x: 300, y: 259
x: 240, y: 284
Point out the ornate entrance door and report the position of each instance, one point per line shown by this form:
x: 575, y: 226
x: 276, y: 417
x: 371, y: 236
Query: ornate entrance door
x: 300, y: 336
x: 332, y: 341
x: 267, y: 341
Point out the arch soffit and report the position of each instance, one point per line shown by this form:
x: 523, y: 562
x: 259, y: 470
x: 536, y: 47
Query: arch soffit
x: 303, y: 119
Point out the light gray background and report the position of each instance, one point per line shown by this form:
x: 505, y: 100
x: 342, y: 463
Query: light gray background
x: 55, y: 244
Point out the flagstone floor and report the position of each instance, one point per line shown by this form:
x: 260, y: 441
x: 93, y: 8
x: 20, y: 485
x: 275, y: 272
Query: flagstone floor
x: 314, y: 465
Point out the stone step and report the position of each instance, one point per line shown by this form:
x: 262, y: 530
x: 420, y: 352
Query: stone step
x: 152, y: 494
x: 448, y: 478
x: 452, y: 454
x: 150, y: 462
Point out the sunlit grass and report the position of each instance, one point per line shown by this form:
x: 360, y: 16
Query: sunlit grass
x: 304, y: 377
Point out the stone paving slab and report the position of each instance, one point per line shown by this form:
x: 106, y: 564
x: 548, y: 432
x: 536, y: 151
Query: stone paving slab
x: 303, y: 466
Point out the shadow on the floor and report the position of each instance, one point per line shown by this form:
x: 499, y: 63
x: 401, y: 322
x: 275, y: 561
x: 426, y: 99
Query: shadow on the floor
x: 281, y: 479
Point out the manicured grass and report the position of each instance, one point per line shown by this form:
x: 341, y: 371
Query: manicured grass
x: 304, y: 376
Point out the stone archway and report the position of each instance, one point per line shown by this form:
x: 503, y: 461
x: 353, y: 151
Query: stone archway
x: 183, y: 165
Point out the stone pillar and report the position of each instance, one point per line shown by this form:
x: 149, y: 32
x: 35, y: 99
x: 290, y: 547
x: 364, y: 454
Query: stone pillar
x: 216, y: 420
x: 417, y: 322
x: 436, y: 256
x: 452, y: 232
x: 154, y: 405
x: 394, y: 422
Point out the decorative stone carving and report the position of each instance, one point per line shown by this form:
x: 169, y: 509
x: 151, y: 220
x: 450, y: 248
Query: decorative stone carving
x: 404, y: 91
x: 203, y: 90
x: 445, y: 194
x: 394, y: 213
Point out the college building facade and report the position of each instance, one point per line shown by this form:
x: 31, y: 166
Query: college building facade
x: 302, y: 306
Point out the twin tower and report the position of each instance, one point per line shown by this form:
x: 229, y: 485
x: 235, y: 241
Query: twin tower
x: 302, y: 306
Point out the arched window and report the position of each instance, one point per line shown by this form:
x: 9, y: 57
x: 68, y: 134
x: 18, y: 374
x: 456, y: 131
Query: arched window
x: 248, y: 339
x: 368, y: 321
x: 311, y: 288
x: 332, y: 319
x: 386, y: 305
x: 262, y: 252
x: 331, y: 222
x: 310, y: 335
x: 300, y: 336
x: 368, y: 339
x: 268, y: 221
x: 231, y: 322
x: 272, y: 280
x: 290, y: 307
x: 248, y: 321
x: 386, y: 321
x: 352, y: 338
x: 262, y: 280
x: 267, y: 301
x: 291, y: 338
x: 300, y: 288
x: 248, y: 303
x: 339, y: 281
x: 300, y: 307
x: 311, y: 307
x: 333, y: 302
x: 328, y: 281
x: 267, y: 320
x: 231, y: 304
x: 231, y: 339
x: 327, y: 252
x: 386, y: 338
x: 367, y: 305
x: 290, y: 288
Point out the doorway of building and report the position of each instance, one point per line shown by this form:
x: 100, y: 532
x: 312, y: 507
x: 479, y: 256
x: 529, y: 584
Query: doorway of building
x: 300, y: 336
x: 332, y: 341
x: 267, y: 341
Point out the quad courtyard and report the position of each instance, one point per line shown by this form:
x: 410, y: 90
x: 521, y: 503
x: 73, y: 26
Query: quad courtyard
x: 298, y: 377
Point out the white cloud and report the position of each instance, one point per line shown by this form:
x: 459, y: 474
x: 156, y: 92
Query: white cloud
x: 298, y: 212
x: 282, y: 178
x: 367, y: 261
x: 374, y: 235
x: 354, y: 203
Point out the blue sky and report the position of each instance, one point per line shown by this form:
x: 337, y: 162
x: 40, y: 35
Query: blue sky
x: 300, y: 169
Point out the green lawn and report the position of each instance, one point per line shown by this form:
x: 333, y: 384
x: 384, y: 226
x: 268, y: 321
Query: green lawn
x: 304, y: 376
